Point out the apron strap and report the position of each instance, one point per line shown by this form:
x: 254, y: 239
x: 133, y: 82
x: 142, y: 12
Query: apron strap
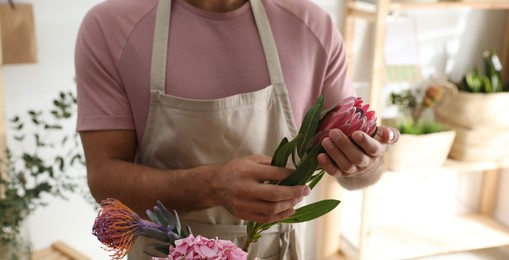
x: 268, y: 42
x: 161, y: 36
x: 160, y: 47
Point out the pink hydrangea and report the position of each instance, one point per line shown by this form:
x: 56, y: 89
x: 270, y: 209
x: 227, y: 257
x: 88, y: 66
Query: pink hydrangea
x: 203, y: 248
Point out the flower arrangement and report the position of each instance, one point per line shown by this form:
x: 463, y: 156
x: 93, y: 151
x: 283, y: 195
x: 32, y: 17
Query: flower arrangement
x: 349, y: 115
x: 412, y: 104
x: 117, y: 226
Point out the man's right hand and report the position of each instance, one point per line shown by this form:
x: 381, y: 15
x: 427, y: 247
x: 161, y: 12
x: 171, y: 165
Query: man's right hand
x: 240, y: 186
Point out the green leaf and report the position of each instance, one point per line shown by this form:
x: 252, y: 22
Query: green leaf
x: 312, y: 211
x: 250, y: 225
x: 305, y: 170
x: 278, y: 149
x: 160, y: 216
x: 315, y: 179
x: 281, y: 157
x: 166, y: 214
x: 153, y: 217
x: 309, y: 125
x: 155, y: 234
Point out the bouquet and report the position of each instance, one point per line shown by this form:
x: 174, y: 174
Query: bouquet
x: 117, y: 226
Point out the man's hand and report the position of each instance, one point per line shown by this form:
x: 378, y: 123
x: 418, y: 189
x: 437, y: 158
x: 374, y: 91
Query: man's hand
x: 240, y: 187
x: 357, y: 163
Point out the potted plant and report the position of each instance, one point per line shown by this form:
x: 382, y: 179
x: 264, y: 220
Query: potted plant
x: 34, y: 166
x: 423, y: 141
x: 475, y: 108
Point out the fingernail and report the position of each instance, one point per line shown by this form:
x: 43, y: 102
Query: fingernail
x: 327, y: 144
x: 391, y: 135
x: 335, y: 135
x: 305, y: 191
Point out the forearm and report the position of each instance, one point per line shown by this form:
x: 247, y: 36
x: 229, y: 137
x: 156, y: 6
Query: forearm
x: 140, y: 186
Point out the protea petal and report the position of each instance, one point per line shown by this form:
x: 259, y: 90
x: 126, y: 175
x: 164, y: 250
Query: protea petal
x: 349, y: 115
x: 365, y: 108
x: 370, y: 115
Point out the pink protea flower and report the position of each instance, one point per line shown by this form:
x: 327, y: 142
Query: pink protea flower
x: 349, y: 115
x: 203, y: 248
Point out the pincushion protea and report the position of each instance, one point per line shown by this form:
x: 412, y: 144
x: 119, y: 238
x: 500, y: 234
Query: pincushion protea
x: 117, y: 226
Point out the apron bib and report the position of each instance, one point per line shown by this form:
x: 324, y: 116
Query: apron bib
x: 186, y: 133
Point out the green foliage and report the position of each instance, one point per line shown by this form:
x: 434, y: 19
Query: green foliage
x: 36, y: 164
x: 487, y: 81
x: 412, y: 104
x: 305, y: 172
x: 427, y: 127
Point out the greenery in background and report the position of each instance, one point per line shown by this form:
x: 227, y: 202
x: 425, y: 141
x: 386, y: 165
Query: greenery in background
x: 38, y: 164
x: 427, y: 127
x: 412, y: 103
x: 488, y: 81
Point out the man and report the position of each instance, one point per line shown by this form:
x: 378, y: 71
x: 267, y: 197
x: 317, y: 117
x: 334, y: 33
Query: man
x: 184, y: 101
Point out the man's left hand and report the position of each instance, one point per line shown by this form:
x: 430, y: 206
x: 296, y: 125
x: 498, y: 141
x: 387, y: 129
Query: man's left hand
x: 357, y: 162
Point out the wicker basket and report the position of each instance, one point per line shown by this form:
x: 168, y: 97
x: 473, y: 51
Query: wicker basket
x: 481, y: 122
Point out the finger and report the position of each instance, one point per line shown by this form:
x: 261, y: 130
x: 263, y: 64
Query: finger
x: 370, y: 146
x: 275, y: 193
x: 388, y: 134
x: 337, y: 155
x: 329, y: 166
x: 271, y: 173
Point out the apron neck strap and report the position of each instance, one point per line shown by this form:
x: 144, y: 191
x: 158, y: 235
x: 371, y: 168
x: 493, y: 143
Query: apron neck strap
x: 160, y: 47
x: 161, y: 36
x: 268, y: 42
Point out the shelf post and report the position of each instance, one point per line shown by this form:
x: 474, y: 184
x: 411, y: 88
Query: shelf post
x: 349, y: 35
x: 489, y: 191
x: 378, y: 64
x: 505, y: 50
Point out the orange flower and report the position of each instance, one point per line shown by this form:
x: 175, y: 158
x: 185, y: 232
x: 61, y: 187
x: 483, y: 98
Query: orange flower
x: 117, y: 226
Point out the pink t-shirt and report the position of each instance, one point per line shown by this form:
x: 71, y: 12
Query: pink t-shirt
x: 210, y: 55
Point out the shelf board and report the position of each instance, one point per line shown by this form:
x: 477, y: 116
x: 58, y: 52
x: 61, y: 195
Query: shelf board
x: 367, y: 10
x: 450, y: 5
x: 451, y: 235
x: 476, y: 166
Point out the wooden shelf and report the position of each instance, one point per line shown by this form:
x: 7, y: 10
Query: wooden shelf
x: 411, y: 240
x: 368, y: 10
x: 393, y: 6
x: 476, y: 166
x: 449, y: 235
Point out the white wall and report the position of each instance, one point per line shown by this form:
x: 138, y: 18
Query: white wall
x: 34, y: 86
x: 460, y: 34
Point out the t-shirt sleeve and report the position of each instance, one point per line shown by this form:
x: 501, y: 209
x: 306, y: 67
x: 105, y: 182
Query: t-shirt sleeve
x: 337, y: 83
x: 102, y: 100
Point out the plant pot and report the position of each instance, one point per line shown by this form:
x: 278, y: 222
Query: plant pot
x: 18, y: 246
x: 20, y: 250
x: 427, y: 150
x: 481, y: 123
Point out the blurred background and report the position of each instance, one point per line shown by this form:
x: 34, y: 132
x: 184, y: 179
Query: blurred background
x: 415, y: 211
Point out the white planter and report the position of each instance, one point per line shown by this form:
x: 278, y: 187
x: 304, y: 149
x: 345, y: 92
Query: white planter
x: 413, y: 151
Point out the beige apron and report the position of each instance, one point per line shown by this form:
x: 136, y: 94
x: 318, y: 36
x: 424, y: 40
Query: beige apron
x: 184, y: 133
